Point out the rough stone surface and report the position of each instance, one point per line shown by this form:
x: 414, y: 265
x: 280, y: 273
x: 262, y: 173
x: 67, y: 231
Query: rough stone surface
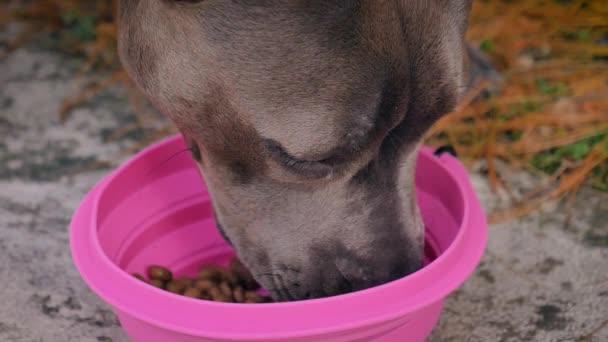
x: 540, y: 280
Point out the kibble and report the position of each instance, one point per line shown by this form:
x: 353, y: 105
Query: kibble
x: 157, y: 283
x: 204, y: 284
x: 230, y: 278
x: 240, y: 271
x: 234, y: 284
x: 253, y: 297
x: 215, y: 293
x: 159, y: 272
x: 223, y: 299
x: 177, y: 286
x: 211, y: 272
x: 238, y: 294
x: 193, y: 292
x: 185, y: 281
x: 226, y: 289
x: 139, y: 276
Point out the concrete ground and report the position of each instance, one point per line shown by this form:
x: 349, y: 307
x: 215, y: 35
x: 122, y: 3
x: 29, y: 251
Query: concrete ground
x: 540, y: 280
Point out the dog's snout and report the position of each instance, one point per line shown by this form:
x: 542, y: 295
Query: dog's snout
x: 336, y: 276
x: 354, y: 276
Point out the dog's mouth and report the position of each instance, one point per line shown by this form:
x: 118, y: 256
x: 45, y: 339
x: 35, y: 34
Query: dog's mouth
x: 329, y: 273
x: 328, y: 269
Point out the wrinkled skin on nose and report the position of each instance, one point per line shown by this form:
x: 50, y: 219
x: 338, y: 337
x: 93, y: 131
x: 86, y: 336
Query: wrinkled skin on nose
x: 304, y: 118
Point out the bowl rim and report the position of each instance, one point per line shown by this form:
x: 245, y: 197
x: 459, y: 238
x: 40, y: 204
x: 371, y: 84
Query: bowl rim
x: 473, y: 223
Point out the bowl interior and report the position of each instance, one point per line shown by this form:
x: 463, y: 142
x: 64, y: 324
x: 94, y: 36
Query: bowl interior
x: 157, y: 211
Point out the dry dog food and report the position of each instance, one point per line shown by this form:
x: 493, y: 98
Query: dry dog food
x: 234, y: 284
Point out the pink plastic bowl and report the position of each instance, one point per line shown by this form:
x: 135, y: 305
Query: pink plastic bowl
x: 155, y: 209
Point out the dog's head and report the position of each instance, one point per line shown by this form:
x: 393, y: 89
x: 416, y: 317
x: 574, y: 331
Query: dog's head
x: 304, y: 117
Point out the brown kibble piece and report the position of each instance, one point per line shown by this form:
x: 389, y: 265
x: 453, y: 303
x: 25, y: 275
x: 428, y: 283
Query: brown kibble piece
x: 159, y: 272
x: 231, y: 278
x: 193, y: 292
x: 211, y: 272
x: 237, y: 267
x: 250, y: 301
x: 204, y: 284
x: 258, y: 299
x: 225, y: 275
x: 157, y: 283
x: 214, y: 292
x: 176, y: 286
x: 187, y: 282
x: 238, y: 294
x: 253, y: 296
x: 223, y: 298
x: 226, y: 290
x: 139, y: 276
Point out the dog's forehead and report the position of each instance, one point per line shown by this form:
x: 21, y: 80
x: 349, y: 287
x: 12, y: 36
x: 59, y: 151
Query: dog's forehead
x: 303, y: 73
x: 306, y: 74
x: 295, y: 70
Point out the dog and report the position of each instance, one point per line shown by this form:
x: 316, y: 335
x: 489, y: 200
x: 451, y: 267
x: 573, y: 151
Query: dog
x: 304, y: 117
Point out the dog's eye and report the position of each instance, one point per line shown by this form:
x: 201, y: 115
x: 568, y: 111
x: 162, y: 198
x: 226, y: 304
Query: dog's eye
x: 307, y: 168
